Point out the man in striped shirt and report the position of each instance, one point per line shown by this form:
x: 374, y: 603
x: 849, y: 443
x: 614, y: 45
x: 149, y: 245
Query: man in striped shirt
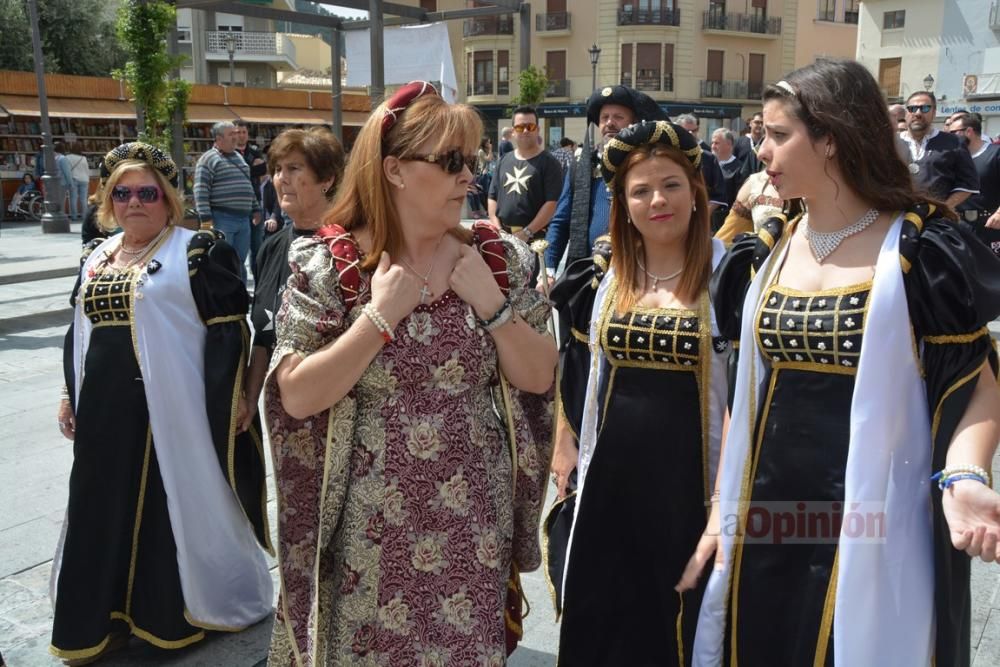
x: 223, y: 193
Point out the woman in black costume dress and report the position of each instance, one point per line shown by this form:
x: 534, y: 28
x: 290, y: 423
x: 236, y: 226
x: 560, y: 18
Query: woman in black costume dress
x: 865, y: 367
x: 166, y: 496
x: 643, y: 384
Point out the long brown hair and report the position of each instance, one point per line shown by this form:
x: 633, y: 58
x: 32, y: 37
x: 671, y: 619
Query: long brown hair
x: 840, y: 99
x: 365, y: 199
x: 626, y: 241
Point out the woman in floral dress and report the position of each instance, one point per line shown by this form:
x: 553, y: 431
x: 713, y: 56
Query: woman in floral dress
x: 398, y: 519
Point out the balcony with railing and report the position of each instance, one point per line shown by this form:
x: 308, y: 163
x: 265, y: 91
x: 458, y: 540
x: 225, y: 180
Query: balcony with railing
x: 732, y: 90
x: 652, y: 82
x: 485, y: 26
x: 748, y: 23
x: 557, y: 88
x: 658, y: 17
x: 552, y: 22
x: 482, y: 88
x: 274, y: 48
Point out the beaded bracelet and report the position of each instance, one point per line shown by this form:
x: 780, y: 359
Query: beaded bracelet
x: 376, y: 318
x: 64, y: 393
x: 503, y: 314
x: 945, y: 478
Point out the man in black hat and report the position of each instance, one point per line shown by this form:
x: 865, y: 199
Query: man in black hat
x: 584, y: 207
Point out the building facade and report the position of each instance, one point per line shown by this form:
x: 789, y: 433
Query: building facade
x: 709, y: 57
x: 951, y: 47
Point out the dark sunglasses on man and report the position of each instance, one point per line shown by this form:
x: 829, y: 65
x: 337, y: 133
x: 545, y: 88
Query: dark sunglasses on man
x: 525, y: 127
x: 922, y: 108
x: 452, y: 161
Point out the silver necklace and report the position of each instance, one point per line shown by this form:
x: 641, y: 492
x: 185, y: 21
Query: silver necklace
x: 425, y: 290
x: 659, y: 279
x: 824, y: 243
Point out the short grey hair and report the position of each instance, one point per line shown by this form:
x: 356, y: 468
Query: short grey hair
x: 220, y: 128
x: 687, y: 119
x: 725, y: 134
x: 507, y: 131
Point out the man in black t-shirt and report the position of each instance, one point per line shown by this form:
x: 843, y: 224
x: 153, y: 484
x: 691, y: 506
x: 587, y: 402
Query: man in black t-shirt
x: 938, y: 161
x: 527, y: 182
x: 981, y: 210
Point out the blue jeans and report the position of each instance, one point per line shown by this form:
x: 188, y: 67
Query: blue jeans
x: 236, y: 227
x: 78, y: 199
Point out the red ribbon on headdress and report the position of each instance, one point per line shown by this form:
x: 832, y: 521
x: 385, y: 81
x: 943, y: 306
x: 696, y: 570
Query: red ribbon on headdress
x: 401, y: 99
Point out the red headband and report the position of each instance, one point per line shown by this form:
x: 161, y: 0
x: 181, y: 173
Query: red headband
x: 401, y: 99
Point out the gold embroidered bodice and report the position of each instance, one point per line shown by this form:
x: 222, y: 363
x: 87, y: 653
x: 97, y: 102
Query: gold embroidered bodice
x: 654, y: 338
x: 819, y: 331
x: 107, y: 297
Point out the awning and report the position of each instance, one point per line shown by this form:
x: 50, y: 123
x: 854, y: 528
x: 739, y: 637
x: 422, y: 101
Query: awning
x: 208, y: 113
x: 66, y: 107
x: 297, y: 116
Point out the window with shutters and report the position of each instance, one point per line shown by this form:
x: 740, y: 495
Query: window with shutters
x: 648, y: 65
x: 827, y: 10
x: 626, y: 67
x: 668, y: 67
x: 888, y: 75
x: 851, y: 11
x: 503, y: 72
x: 894, y: 20
x: 482, y: 75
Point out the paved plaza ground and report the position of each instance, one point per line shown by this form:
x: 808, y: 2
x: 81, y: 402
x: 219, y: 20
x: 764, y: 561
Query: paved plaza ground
x: 36, y: 275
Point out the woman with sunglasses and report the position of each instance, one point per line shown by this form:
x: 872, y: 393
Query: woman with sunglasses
x: 398, y: 521
x: 165, y: 519
x: 855, y: 483
x: 644, y: 386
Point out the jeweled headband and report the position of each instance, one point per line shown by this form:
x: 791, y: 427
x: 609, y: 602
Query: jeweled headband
x: 143, y: 152
x: 401, y: 99
x: 646, y: 133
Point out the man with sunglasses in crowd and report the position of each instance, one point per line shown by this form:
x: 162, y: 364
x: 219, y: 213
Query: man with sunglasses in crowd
x: 527, y: 182
x: 938, y: 160
x: 981, y: 210
x: 584, y: 208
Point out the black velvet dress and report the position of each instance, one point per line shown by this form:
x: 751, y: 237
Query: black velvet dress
x: 643, y: 504
x: 781, y: 607
x: 119, y: 572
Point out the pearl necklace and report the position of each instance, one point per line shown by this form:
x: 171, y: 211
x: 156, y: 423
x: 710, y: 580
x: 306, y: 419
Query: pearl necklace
x: 659, y: 279
x: 824, y: 243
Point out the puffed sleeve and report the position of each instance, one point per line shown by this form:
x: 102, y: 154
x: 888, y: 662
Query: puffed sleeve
x: 312, y: 310
x: 573, y: 297
x: 952, y: 283
x: 527, y: 301
x: 732, y: 277
x: 222, y: 302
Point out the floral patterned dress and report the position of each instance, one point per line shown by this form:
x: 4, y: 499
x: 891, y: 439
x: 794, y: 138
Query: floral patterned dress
x: 417, y: 500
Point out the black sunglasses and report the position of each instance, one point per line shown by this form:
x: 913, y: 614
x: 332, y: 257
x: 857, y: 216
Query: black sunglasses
x: 922, y: 108
x: 452, y: 161
x: 147, y: 194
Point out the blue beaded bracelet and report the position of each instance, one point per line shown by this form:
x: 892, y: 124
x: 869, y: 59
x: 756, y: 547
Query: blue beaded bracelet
x: 945, y: 481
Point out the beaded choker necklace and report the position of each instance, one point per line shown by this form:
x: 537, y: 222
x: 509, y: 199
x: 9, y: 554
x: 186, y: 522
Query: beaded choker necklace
x: 824, y: 243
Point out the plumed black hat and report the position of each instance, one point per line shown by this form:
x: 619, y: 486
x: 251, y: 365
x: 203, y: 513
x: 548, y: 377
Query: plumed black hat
x: 640, y: 134
x: 143, y: 152
x: 644, y: 106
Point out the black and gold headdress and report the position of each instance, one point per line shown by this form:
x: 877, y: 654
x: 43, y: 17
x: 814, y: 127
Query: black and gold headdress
x: 646, y: 133
x: 143, y: 152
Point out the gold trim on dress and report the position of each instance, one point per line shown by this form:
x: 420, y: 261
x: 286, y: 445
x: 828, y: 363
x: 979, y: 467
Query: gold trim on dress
x: 680, y: 629
x: 545, y: 551
x: 826, y: 621
x: 80, y: 653
x: 815, y: 367
x: 223, y: 319
x: 579, y: 335
x: 158, y: 642
x: 955, y: 386
x: 957, y: 338
x: 209, y: 626
x: 138, y: 519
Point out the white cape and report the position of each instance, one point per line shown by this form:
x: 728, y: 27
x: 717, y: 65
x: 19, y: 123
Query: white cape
x: 885, y: 588
x: 223, y: 572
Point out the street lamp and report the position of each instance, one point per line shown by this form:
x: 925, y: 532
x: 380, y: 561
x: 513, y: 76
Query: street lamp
x: 595, y: 54
x: 928, y: 82
x: 231, y: 50
x: 54, y: 220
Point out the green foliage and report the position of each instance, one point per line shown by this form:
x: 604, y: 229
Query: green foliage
x: 533, y: 84
x: 77, y: 37
x: 142, y: 28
